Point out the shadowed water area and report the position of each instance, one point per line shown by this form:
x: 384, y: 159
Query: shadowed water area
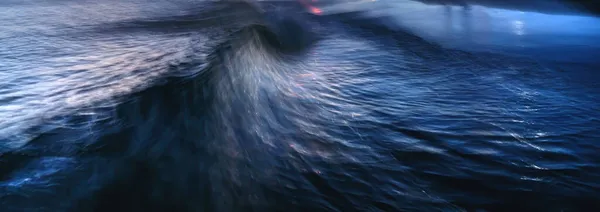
x: 202, y: 106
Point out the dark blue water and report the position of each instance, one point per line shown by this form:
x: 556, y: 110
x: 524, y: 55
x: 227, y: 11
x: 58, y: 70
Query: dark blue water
x: 201, y: 106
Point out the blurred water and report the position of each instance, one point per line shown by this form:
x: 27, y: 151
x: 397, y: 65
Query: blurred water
x: 552, y: 37
x: 185, y: 106
x: 544, y: 36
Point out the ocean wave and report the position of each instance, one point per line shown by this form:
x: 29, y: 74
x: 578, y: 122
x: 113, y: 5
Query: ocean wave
x: 233, y: 116
x: 210, y: 134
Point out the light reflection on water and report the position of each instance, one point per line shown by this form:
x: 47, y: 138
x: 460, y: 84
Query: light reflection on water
x: 482, y: 28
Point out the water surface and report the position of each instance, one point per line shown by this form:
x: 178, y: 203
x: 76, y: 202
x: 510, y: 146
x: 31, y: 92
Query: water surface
x: 187, y: 106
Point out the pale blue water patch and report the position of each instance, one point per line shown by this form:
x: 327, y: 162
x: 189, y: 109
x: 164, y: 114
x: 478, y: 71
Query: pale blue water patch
x: 479, y: 28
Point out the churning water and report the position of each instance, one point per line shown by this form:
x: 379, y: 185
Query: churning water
x: 197, y: 106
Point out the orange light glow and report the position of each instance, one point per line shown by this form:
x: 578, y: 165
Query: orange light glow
x: 315, y: 10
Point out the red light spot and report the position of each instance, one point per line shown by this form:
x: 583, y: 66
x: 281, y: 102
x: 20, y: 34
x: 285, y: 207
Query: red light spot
x: 315, y: 10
